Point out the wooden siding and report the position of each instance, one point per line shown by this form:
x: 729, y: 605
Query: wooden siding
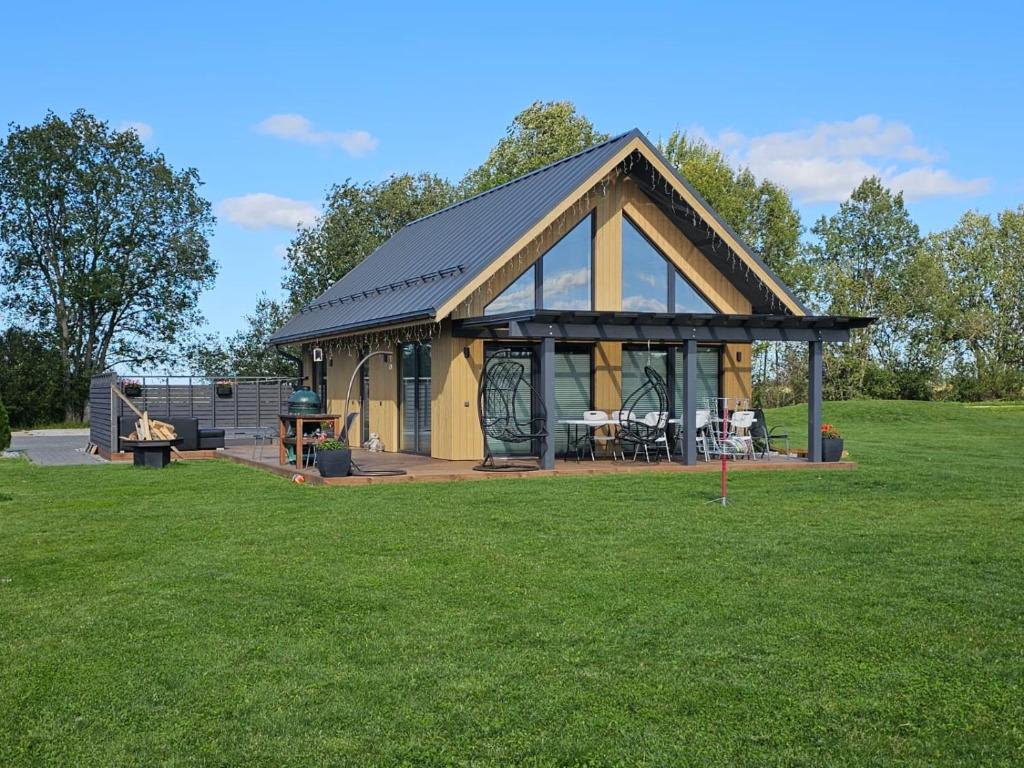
x: 608, y: 248
x: 384, y: 402
x: 608, y: 376
x: 340, y: 366
x: 455, y: 423
x: 736, y: 374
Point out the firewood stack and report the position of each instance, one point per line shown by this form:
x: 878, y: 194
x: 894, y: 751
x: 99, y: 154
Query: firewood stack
x: 151, y: 429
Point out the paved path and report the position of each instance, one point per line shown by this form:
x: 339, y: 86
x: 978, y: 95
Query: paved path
x: 55, y: 446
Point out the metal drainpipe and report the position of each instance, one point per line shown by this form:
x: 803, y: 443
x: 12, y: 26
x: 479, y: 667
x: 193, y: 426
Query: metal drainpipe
x: 297, y: 360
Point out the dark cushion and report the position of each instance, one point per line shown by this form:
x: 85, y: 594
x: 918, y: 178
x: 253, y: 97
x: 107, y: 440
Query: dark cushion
x: 210, y: 439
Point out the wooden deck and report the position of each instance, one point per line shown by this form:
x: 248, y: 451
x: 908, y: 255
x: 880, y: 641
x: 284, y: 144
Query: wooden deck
x: 426, y: 469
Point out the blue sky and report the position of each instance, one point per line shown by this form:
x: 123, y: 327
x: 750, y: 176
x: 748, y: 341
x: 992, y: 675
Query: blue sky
x: 273, y: 102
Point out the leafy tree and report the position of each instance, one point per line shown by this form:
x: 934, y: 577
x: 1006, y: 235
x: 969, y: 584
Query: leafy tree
x: 5, y: 428
x: 761, y: 212
x: 28, y: 386
x: 247, y: 352
x: 865, y: 259
x: 102, y: 244
x: 979, y: 308
x: 357, y: 219
x: 541, y: 134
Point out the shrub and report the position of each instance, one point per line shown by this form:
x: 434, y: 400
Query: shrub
x: 5, y: 428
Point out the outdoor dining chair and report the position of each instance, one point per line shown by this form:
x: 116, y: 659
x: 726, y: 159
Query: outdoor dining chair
x: 701, y: 428
x: 643, y: 434
x: 739, y: 433
x: 765, y: 439
x: 659, y: 420
x: 599, y: 420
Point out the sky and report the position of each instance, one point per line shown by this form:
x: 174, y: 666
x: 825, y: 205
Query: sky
x: 274, y: 102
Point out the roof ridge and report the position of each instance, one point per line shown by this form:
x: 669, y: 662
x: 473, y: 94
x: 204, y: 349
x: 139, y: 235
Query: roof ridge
x: 634, y: 131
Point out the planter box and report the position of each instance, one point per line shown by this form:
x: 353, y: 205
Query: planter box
x: 224, y: 390
x: 132, y: 390
x: 831, y: 449
x: 334, y: 463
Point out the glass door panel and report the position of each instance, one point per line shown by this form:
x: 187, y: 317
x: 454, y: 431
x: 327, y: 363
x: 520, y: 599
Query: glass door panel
x: 415, y: 397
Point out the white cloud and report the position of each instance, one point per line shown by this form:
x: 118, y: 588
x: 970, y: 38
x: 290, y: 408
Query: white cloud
x: 143, y: 130
x: 298, y: 128
x: 825, y: 163
x: 261, y: 210
x: 640, y: 303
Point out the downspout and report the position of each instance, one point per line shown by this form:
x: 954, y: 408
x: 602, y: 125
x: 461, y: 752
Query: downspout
x: 301, y: 378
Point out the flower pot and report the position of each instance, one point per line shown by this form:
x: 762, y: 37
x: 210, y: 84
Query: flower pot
x: 334, y: 463
x: 132, y: 390
x: 831, y: 449
x: 224, y: 390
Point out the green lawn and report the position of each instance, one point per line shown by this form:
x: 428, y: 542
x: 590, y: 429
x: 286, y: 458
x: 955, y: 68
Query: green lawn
x: 211, y: 614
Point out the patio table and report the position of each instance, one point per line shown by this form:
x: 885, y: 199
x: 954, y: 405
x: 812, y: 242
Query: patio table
x: 300, y: 420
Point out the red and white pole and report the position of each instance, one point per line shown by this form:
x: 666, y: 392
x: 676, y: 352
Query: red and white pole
x: 721, y: 451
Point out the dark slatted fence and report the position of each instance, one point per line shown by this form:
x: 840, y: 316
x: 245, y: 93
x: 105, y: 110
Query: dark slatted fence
x: 102, y: 416
x: 239, y: 403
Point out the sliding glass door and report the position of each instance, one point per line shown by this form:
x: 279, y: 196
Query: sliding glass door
x: 414, y: 369
x: 669, y: 363
x: 573, y: 390
x: 709, y: 365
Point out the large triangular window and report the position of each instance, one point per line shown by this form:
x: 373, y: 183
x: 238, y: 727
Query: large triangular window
x: 650, y: 283
x: 565, y: 272
x: 519, y: 295
x: 566, y: 269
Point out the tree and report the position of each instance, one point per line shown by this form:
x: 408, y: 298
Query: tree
x: 979, y: 308
x: 539, y: 135
x: 761, y: 212
x: 865, y: 257
x: 28, y: 386
x: 102, y: 244
x: 247, y: 352
x: 5, y: 428
x: 357, y: 219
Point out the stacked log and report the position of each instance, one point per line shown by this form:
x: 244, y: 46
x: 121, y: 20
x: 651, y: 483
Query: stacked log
x: 151, y: 429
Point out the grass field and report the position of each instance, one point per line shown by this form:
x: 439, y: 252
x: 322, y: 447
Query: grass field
x: 211, y: 614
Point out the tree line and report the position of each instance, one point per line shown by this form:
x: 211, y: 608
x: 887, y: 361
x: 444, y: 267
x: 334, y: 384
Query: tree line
x: 104, y: 253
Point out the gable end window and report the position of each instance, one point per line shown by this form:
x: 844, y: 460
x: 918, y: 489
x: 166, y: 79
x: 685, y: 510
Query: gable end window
x: 650, y: 282
x: 564, y: 272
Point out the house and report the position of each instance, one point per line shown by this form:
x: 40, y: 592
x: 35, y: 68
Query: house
x: 589, y: 269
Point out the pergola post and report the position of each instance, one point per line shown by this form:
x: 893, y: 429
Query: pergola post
x: 547, y: 395
x: 689, y: 373
x: 814, y: 377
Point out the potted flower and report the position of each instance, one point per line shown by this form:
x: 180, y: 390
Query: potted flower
x: 131, y: 387
x: 333, y: 458
x: 831, y: 443
x: 224, y: 388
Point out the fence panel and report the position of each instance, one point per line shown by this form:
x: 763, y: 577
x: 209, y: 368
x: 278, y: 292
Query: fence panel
x: 250, y: 403
x: 102, y: 429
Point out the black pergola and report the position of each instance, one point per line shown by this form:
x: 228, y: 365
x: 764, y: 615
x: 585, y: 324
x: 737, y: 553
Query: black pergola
x: 545, y: 327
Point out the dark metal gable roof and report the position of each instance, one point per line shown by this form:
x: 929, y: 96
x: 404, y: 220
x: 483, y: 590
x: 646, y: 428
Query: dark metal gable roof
x: 429, y: 260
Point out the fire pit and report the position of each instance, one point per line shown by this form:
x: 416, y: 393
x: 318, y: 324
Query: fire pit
x: 151, y: 453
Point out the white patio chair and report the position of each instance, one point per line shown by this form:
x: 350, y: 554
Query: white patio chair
x: 618, y: 417
x: 659, y: 420
x: 701, y: 428
x: 739, y: 432
x: 600, y: 420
